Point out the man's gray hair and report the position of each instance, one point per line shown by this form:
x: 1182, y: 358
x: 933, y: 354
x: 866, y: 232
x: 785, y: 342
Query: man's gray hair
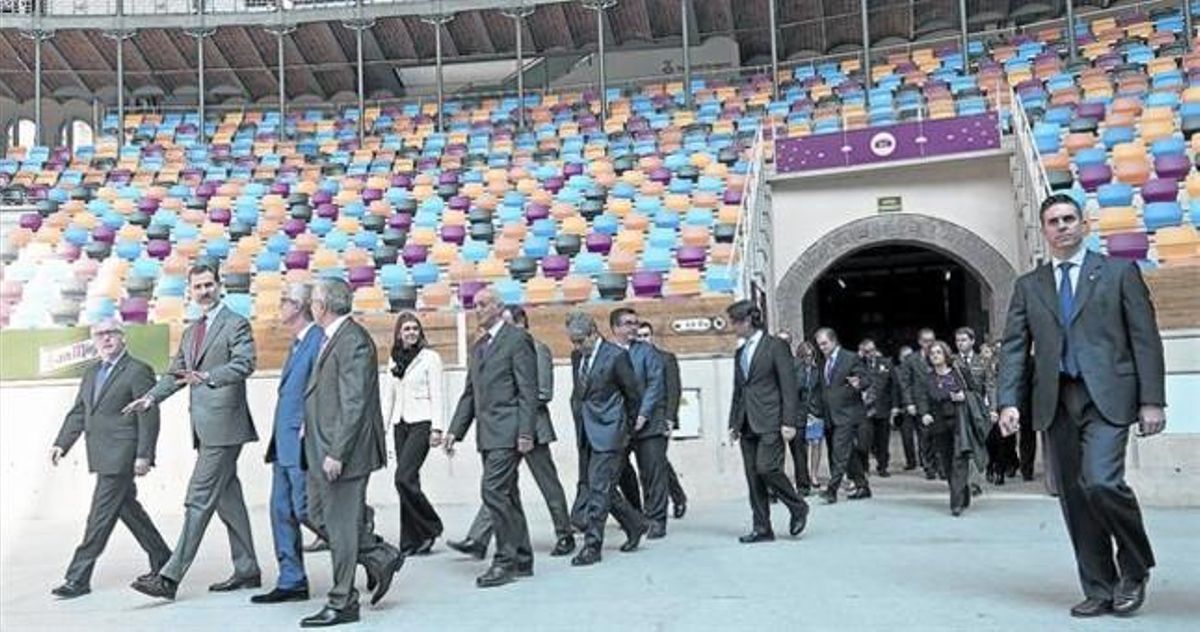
x: 108, y: 323
x: 301, y: 295
x: 339, y: 298
x: 580, y: 324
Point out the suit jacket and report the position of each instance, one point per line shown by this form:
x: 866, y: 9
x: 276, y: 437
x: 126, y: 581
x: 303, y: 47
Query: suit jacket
x: 501, y: 391
x: 672, y: 387
x: 878, y: 396
x: 219, y: 413
x: 766, y: 398
x: 605, y: 402
x: 418, y: 396
x: 982, y: 376
x: 1113, y: 335
x: 648, y: 368
x: 544, y: 428
x: 113, y: 440
x: 807, y: 377
x: 286, y: 445
x: 342, y: 414
x: 913, y: 371
x: 840, y: 402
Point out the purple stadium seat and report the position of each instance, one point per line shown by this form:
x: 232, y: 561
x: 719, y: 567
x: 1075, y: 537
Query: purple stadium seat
x: 1129, y: 245
x: 104, y: 234
x: 148, y: 205
x: 1090, y: 110
x: 536, y: 211
x: 1161, y: 190
x: 370, y: 195
x: 327, y: 210
x: 599, y: 242
x: 293, y: 227
x: 732, y: 196
x: 454, y: 233
x: 691, y: 256
x: 135, y: 309
x: 320, y: 197
x: 158, y: 248
x: 220, y: 216
x: 400, y: 221
x: 414, y: 254
x: 647, y: 284
x: 467, y: 291
x: 1092, y: 176
x: 402, y: 181
x: 1172, y: 166
x: 361, y: 276
x: 32, y: 221
x: 296, y: 260
x: 278, y: 188
x: 459, y: 203
x: 556, y: 266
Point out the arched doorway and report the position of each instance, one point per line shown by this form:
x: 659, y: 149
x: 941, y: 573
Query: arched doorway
x: 888, y: 292
x: 888, y: 245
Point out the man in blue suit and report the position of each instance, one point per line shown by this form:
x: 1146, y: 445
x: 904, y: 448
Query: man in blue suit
x: 604, y: 403
x: 289, y: 506
x: 648, y: 442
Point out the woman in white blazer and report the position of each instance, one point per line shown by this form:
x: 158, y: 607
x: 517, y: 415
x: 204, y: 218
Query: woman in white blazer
x: 414, y: 407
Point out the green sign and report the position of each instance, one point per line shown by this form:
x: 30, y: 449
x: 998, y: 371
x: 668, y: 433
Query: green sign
x: 39, y: 354
x: 889, y: 204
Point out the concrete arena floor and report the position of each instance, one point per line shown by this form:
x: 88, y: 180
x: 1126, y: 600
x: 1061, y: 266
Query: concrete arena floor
x: 896, y: 561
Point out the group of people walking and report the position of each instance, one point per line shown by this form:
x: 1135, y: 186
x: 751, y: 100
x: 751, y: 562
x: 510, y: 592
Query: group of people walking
x: 1095, y: 373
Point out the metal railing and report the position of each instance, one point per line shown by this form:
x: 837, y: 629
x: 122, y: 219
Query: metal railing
x: 747, y: 245
x: 1031, y: 180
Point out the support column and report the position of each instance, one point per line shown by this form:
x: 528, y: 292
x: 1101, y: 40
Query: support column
x: 600, y: 6
x: 281, y: 30
x: 518, y: 15
x: 201, y: 33
x: 37, y: 35
x: 1072, y: 47
x: 866, y: 46
x: 119, y: 36
x: 438, y: 21
x: 962, y: 26
x: 685, y: 26
x: 1187, y: 23
x: 771, y: 12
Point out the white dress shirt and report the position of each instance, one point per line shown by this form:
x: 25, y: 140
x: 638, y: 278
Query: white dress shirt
x: 332, y: 328
x: 418, y: 396
x: 1077, y: 260
x: 748, y: 350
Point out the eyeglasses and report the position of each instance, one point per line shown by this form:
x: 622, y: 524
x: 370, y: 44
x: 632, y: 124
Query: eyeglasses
x: 107, y: 332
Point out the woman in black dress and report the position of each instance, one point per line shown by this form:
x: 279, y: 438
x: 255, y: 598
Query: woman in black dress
x: 940, y: 406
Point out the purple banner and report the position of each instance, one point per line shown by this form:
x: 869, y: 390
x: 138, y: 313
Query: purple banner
x: 888, y: 143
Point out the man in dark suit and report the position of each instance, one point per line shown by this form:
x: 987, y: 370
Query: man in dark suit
x: 762, y: 419
x: 501, y: 394
x: 215, y: 356
x: 915, y: 371
x: 673, y: 394
x: 839, y: 400
x: 344, y: 438
x: 539, y: 460
x: 1098, y: 370
x: 649, y: 441
x: 119, y: 447
x: 907, y: 424
x: 876, y: 435
x: 289, y: 491
x: 605, y: 403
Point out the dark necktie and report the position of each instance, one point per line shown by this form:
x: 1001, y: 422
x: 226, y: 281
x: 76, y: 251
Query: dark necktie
x: 198, y: 333
x: 584, y: 366
x: 1066, y: 304
x: 829, y: 369
x: 482, y: 347
x: 101, y: 378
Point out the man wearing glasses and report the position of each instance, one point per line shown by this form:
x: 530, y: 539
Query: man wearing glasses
x: 119, y: 447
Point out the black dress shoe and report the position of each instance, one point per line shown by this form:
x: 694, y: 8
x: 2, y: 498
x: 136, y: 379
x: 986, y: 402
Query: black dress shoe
x: 829, y: 496
x: 799, y: 521
x: 523, y: 570
x: 862, y: 493
x: 976, y: 490
x: 157, y: 586
x: 70, y: 590
x: 635, y: 538
x: 467, y: 546
x: 280, y: 595
x: 956, y: 511
x: 1027, y: 477
x: 587, y: 557
x: 883, y: 473
x: 1091, y: 608
x: 804, y: 492
x: 680, y: 510
x: 656, y: 532
x: 564, y: 546
x: 385, y: 579
x: 930, y: 475
x: 330, y: 616
x: 316, y: 546
x: 424, y: 547
x: 908, y: 467
x: 1129, y: 597
x: 237, y: 583
x: 755, y: 537
x: 494, y: 576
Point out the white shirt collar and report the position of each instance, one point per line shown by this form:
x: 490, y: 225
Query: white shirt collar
x: 494, y: 330
x: 332, y: 328
x: 117, y: 359
x: 754, y: 338
x: 1076, y: 259
x: 304, y: 332
x: 212, y: 313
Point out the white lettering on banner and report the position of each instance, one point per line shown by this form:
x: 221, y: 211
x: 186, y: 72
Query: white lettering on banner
x: 883, y: 144
x: 54, y: 359
x: 697, y: 325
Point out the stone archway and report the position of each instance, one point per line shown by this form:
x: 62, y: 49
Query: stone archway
x: 965, y: 247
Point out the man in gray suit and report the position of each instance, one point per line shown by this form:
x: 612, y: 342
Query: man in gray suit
x: 119, y: 447
x: 344, y: 439
x: 215, y: 356
x: 605, y: 402
x: 539, y: 460
x: 501, y: 394
x: 1098, y: 369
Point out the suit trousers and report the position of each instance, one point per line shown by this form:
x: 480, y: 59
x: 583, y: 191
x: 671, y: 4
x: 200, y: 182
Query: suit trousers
x: 929, y: 455
x: 115, y: 498
x: 958, y: 466
x: 289, y: 502
x: 843, y: 460
x: 1100, y: 510
x: 627, y: 481
x: 502, y: 499
x: 674, y: 488
x: 762, y: 459
x: 315, y: 516
x: 1027, y: 441
x: 799, y: 449
x: 651, y: 455
x: 545, y: 474
x: 349, y: 530
x: 909, y: 430
x: 214, y: 488
x: 881, y: 442
x: 419, y: 521
x: 602, y: 470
